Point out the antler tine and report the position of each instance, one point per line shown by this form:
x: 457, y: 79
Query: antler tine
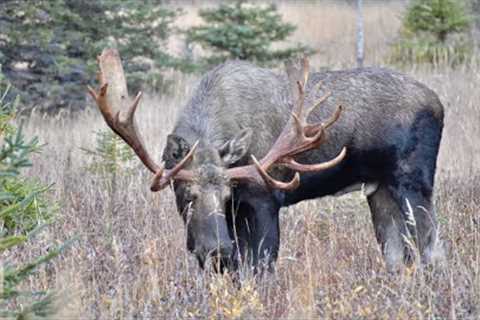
x: 334, y: 117
x: 294, y: 165
x: 317, y: 103
x: 133, y: 108
x: 297, y: 76
x: 313, y: 129
x: 301, y: 83
x: 298, y: 124
x: 306, y: 70
x: 161, y: 180
x: 273, y: 183
x: 92, y: 93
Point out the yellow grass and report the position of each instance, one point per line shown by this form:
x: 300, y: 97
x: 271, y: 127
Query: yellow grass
x: 132, y: 263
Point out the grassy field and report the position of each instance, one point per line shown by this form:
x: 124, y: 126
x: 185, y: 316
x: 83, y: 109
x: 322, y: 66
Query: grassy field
x: 131, y: 260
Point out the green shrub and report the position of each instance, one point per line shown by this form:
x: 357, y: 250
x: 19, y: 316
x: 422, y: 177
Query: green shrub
x: 111, y: 155
x: 23, y: 206
x: 24, y: 212
x: 434, y: 31
x: 244, y: 31
x: 112, y: 160
x: 437, y: 17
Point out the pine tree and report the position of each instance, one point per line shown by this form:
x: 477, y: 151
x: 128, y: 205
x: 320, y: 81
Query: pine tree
x: 434, y: 31
x: 244, y: 31
x: 24, y: 212
x: 438, y: 18
x: 112, y: 160
x: 48, y: 47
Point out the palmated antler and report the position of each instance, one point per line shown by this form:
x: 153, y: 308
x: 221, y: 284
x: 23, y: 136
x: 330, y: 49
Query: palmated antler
x: 118, y: 110
x: 297, y: 137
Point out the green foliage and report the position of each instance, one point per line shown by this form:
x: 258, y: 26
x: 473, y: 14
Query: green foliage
x: 434, y: 32
x: 427, y: 50
x: 48, y: 48
x: 111, y: 155
x: 16, y: 304
x: 21, y: 206
x: 437, y: 17
x: 244, y: 31
x: 23, y: 213
x: 112, y: 159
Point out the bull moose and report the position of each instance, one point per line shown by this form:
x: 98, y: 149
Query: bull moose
x: 244, y: 132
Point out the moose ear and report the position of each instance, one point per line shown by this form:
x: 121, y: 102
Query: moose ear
x: 236, y: 148
x: 175, y: 150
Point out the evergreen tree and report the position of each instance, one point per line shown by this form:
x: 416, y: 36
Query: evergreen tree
x: 438, y: 18
x: 48, y: 47
x: 111, y: 155
x: 433, y: 31
x: 244, y: 31
x: 112, y: 160
x: 24, y: 212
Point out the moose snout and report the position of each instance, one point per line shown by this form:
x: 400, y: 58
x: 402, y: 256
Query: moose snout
x: 222, y: 252
x: 213, y: 240
x: 213, y: 248
x: 218, y: 257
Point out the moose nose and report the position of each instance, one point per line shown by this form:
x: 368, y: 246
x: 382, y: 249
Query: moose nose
x: 217, y: 251
x: 224, y: 251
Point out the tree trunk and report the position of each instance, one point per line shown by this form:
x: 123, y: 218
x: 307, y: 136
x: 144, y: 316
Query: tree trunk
x: 360, y: 35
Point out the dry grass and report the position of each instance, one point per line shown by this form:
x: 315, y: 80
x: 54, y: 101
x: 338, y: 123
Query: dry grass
x: 331, y: 29
x: 131, y: 262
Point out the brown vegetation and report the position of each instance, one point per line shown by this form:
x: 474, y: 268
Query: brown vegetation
x: 131, y: 260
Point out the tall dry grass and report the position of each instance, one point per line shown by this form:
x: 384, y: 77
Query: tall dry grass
x: 131, y: 262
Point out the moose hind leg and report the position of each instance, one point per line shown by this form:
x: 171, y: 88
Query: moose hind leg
x: 412, y: 184
x: 420, y: 218
x: 389, y: 228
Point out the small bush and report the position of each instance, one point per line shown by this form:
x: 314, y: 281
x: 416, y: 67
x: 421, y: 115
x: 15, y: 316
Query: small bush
x: 111, y: 155
x: 21, y: 207
x: 244, y: 31
x: 112, y: 160
x: 24, y: 211
x: 434, y: 32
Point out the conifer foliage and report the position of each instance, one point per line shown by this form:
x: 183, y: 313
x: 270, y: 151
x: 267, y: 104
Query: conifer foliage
x: 24, y: 213
x: 434, y: 31
x: 48, y: 48
x: 244, y: 31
